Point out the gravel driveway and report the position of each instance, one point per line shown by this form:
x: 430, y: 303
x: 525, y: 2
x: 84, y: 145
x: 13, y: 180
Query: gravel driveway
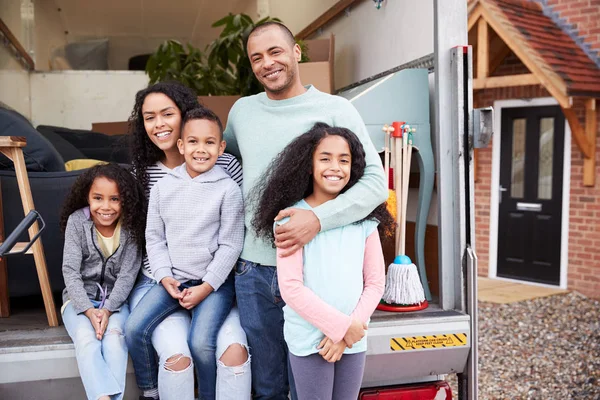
x: 545, y: 348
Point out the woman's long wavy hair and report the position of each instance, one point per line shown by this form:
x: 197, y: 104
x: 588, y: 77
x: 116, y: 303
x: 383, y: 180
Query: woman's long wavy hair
x: 143, y: 152
x: 133, y: 201
x: 289, y: 179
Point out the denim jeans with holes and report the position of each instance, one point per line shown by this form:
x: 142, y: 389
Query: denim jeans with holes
x: 261, y: 314
x: 102, y: 363
x: 207, y: 318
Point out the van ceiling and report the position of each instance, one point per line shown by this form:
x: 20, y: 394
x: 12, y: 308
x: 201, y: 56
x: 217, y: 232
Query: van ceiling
x: 185, y: 19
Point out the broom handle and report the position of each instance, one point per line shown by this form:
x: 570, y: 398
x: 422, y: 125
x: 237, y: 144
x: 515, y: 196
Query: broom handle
x: 386, y: 156
x: 398, y: 189
x: 406, y: 172
x: 403, y: 196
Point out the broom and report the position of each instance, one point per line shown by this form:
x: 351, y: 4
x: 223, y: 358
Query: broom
x: 403, y: 285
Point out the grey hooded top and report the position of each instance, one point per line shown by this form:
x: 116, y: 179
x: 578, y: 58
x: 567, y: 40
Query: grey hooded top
x: 84, y: 265
x: 195, y: 226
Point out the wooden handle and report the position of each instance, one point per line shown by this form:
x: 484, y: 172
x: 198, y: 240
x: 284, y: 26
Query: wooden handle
x: 398, y: 188
x: 13, y: 141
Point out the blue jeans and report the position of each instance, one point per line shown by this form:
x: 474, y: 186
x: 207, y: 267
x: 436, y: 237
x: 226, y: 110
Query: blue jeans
x: 261, y: 315
x: 170, y: 339
x: 207, y: 318
x: 102, y: 363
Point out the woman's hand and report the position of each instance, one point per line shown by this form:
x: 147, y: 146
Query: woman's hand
x: 331, y: 352
x: 171, y: 285
x: 355, y: 332
x: 191, y: 297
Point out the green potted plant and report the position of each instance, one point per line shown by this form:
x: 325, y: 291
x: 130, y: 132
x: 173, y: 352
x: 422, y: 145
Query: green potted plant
x: 222, y: 69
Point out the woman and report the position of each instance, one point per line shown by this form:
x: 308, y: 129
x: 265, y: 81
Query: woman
x: 155, y: 126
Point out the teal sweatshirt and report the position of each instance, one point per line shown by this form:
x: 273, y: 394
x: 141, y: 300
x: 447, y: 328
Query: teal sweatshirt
x: 258, y: 128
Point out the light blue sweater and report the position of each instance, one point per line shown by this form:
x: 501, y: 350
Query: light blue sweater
x: 195, y: 227
x: 258, y: 128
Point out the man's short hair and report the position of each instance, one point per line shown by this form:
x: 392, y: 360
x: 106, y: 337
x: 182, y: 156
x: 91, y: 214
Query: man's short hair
x: 265, y: 25
x: 202, y: 113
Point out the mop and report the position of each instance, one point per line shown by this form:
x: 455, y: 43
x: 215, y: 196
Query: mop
x: 403, y: 289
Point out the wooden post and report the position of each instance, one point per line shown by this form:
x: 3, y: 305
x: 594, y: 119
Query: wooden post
x: 4, y: 299
x: 11, y: 146
x: 483, y: 54
x: 591, y: 128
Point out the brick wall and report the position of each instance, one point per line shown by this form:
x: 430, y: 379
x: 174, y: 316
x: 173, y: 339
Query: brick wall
x: 580, y: 19
x: 584, y: 224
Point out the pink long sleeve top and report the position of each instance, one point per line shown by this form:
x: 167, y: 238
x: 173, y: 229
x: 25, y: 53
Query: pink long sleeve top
x: 339, y: 276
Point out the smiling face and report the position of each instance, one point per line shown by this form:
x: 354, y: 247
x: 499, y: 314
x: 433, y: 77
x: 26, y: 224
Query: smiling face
x: 201, y: 144
x: 274, y: 62
x: 105, y: 205
x: 332, y: 162
x: 162, y: 121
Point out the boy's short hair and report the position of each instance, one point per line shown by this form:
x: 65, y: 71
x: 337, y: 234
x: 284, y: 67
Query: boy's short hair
x: 201, y: 113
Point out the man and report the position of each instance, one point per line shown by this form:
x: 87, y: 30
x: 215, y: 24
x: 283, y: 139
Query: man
x: 258, y: 128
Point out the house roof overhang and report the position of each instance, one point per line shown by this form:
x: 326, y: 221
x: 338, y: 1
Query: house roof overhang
x: 554, y: 59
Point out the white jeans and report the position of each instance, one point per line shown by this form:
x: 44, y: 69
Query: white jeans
x: 170, y: 339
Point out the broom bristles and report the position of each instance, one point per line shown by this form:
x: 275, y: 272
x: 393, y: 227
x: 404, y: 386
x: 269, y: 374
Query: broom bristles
x: 403, y: 285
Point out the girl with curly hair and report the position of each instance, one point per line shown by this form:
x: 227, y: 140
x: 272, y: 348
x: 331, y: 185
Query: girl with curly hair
x: 155, y: 126
x: 103, y: 219
x: 331, y: 286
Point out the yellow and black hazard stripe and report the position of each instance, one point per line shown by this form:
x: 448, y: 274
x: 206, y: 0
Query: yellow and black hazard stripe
x: 428, y: 342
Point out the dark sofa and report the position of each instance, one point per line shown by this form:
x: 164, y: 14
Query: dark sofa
x: 48, y: 148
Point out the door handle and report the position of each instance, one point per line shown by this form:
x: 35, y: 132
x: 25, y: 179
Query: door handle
x: 537, y: 207
x: 501, y: 189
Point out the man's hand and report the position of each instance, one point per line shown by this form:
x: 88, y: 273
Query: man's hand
x: 192, y: 296
x: 355, y: 332
x: 331, y: 352
x: 171, y: 285
x: 302, y: 227
x: 95, y: 320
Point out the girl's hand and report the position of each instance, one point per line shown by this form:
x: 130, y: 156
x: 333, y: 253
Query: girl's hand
x: 191, y: 297
x: 103, y: 315
x: 355, y: 332
x: 92, y: 315
x: 171, y: 285
x: 331, y: 352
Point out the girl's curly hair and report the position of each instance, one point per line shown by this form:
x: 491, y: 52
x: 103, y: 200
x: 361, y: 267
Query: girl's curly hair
x: 143, y: 152
x: 133, y: 201
x: 288, y: 179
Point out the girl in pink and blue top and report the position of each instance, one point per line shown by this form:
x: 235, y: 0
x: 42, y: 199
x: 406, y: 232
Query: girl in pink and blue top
x: 331, y: 286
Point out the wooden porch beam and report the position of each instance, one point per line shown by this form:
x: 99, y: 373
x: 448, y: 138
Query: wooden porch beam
x: 591, y: 128
x: 497, y: 56
x: 325, y: 18
x: 505, y: 81
x: 483, y: 53
x: 555, y: 88
x: 578, y: 133
x: 473, y: 18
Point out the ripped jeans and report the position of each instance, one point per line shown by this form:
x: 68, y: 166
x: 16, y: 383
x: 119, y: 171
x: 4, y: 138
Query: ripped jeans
x: 102, y: 363
x: 170, y: 341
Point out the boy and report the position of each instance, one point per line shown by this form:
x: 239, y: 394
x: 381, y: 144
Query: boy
x: 194, y: 235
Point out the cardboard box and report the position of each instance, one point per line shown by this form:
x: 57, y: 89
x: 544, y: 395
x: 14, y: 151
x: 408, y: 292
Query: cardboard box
x: 111, y: 128
x: 319, y: 70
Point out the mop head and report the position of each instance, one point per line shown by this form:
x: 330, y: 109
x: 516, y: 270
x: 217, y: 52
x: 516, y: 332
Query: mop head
x: 403, y: 285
